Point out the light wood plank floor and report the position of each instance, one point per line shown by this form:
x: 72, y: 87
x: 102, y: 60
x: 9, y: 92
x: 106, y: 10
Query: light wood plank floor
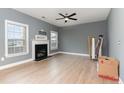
x: 60, y: 69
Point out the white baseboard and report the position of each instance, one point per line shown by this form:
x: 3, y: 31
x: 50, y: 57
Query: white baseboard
x: 70, y: 53
x: 51, y: 54
x: 15, y: 64
x: 120, y: 81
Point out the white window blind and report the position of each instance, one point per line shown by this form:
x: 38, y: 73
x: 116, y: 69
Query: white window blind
x: 54, y: 40
x: 16, y: 38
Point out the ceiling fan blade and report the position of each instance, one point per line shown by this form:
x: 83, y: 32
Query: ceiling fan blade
x: 72, y: 18
x: 72, y: 14
x: 61, y: 15
x: 59, y: 18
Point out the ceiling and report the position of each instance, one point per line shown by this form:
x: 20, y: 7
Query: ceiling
x: 84, y: 15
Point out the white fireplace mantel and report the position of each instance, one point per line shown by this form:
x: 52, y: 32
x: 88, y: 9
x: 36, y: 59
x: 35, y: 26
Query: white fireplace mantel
x: 36, y: 42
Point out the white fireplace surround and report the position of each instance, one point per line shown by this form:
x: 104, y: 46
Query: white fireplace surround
x: 37, y: 42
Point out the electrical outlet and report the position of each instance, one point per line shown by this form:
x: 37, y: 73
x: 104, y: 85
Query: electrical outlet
x: 119, y: 43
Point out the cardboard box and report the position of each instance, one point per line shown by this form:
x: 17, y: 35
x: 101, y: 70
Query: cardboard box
x: 108, y: 68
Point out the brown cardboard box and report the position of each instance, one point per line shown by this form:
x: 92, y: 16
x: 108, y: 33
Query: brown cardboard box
x: 108, y: 68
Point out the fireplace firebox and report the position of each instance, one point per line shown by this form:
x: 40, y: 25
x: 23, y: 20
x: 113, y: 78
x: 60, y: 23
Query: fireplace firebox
x: 40, y: 51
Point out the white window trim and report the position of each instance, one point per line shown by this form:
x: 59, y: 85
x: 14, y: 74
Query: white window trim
x: 50, y: 40
x: 6, y: 39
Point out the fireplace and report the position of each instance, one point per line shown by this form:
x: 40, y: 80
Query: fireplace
x: 40, y: 51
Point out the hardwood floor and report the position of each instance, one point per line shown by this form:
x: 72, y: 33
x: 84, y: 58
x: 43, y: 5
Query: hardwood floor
x: 60, y: 69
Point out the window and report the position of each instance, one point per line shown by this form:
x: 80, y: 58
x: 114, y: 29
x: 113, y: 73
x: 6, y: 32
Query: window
x: 16, y: 39
x: 54, y: 40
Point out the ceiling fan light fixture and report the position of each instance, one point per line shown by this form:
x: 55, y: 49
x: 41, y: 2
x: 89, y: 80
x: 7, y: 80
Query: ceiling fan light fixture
x: 66, y: 19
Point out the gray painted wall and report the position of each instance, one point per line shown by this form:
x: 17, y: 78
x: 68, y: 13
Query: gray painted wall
x: 34, y: 26
x: 75, y: 38
x: 116, y: 33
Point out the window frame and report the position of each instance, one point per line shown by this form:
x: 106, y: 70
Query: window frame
x: 55, y: 48
x: 6, y: 39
